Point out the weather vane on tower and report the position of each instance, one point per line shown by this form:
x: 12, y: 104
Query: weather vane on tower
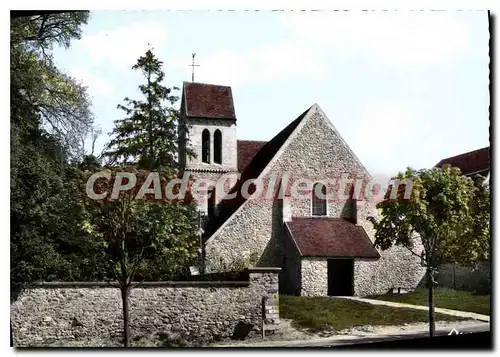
x: 192, y: 65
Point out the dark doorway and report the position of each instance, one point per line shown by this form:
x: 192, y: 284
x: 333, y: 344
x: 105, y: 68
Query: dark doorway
x: 340, y: 277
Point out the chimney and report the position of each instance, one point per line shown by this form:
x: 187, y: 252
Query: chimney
x: 287, y: 208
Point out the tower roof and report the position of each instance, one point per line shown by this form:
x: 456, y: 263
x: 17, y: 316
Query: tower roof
x: 208, y: 101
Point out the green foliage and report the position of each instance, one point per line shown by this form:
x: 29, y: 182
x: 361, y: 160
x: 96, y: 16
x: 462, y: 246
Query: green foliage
x: 447, y: 212
x: 49, y: 114
x: 56, y: 234
x: 238, y: 263
x: 45, y: 30
x: 148, y: 239
x: 58, y: 103
x: 143, y: 239
x: 147, y: 136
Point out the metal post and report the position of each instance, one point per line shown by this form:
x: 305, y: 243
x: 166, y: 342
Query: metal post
x: 264, y: 300
x: 454, y: 278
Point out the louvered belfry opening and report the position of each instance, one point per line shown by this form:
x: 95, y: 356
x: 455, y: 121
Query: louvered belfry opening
x: 218, y: 147
x: 205, y: 146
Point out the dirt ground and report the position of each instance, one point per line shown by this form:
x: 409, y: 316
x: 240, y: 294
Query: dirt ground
x: 289, y: 333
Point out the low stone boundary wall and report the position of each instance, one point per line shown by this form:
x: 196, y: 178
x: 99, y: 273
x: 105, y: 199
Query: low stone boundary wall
x: 190, y: 311
x: 454, y: 276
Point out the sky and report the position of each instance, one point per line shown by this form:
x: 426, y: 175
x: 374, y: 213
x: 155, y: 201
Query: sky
x: 402, y: 88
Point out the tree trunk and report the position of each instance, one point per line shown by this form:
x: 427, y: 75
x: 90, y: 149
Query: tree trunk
x: 430, y: 288
x: 150, y: 126
x: 126, y: 335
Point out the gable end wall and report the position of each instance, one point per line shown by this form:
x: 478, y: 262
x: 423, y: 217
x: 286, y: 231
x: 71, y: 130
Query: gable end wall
x: 314, y: 151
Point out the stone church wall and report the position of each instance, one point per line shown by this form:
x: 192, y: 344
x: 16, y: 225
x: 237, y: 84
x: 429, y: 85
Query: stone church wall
x: 315, y: 152
x: 257, y: 228
x: 195, y: 128
x: 314, y: 277
x: 397, y: 267
x: 193, y: 312
x: 291, y: 273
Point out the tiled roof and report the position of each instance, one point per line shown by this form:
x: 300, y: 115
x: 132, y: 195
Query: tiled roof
x: 330, y: 237
x: 247, y: 149
x: 470, y: 162
x: 252, y: 171
x: 208, y: 101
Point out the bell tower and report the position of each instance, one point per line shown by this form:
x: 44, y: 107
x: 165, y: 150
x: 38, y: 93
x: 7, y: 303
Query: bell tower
x: 207, y: 128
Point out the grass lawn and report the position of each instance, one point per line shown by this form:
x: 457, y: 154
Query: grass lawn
x: 448, y: 299
x: 321, y: 313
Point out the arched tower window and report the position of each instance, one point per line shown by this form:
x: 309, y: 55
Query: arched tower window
x: 218, y: 147
x: 205, y: 146
x: 319, y: 200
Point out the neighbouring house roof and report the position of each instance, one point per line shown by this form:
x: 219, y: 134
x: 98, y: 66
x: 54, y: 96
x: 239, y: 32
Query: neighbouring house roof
x: 247, y: 149
x: 476, y: 161
x: 330, y: 237
x: 210, y: 101
x: 259, y: 162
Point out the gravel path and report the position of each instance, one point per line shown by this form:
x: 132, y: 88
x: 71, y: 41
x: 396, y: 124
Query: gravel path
x: 293, y: 337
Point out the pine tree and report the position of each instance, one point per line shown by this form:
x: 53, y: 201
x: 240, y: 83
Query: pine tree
x: 147, y: 136
x: 148, y: 239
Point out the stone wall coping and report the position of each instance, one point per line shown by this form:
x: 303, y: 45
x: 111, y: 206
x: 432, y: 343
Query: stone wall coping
x: 149, y: 284
x: 264, y: 270
x: 198, y: 169
x: 323, y: 257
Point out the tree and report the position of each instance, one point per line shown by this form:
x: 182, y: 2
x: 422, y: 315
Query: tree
x: 61, y: 104
x: 47, y: 238
x: 446, y: 212
x: 147, y: 136
x: 144, y: 238
x: 49, y: 112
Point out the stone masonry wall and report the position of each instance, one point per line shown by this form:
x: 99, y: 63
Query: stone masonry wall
x: 195, y: 128
x: 314, y: 277
x: 396, y: 268
x: 453, y: 276
x: 255, y: 228
x: 291, y: 273
x: 227, y: 181
x: 195, y: 312
x: 315, y: 152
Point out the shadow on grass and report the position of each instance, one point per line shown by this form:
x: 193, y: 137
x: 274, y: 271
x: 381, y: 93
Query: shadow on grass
x: 322, y: 313
x: 444, y: 298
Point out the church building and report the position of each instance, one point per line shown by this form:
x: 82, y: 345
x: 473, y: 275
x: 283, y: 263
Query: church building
x: 323, y: 244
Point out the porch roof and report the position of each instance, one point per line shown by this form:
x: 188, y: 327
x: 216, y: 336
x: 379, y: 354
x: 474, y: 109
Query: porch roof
x: 330, y: 237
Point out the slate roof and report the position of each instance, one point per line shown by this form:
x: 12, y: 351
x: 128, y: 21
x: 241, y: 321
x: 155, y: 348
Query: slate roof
x: 210, y: 101
x: 469, y: 162
x: 330, y: 237
x: 252, y: 171
x: 247, y: 149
